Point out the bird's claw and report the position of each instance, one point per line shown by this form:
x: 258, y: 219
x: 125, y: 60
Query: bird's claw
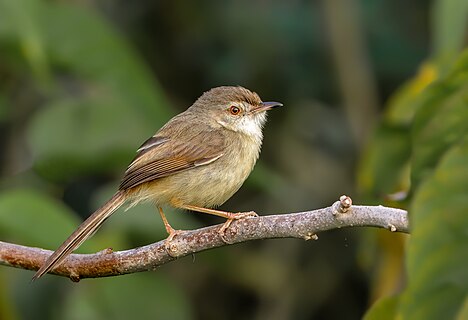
x: 231, y: 218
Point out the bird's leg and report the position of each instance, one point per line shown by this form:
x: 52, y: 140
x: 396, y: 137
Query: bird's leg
x: 170, y: 230
x: 228, y: 215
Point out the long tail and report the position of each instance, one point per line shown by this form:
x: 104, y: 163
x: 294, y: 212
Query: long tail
x: 83, y: 232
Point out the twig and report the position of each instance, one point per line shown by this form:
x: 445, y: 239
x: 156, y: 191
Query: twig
x: 303, y: 225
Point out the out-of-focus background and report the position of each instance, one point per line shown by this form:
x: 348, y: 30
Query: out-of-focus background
x: 84, y: 83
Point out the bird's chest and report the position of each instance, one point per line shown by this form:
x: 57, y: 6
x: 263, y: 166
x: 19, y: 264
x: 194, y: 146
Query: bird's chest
x: 216, y: 182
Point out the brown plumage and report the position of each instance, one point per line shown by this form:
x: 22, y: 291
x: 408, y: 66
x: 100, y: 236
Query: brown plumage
x: 196, y: 161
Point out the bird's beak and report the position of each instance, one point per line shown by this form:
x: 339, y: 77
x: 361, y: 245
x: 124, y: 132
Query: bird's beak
x: 265, y: 106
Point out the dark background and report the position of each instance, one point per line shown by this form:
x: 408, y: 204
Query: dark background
x: 84, y: 83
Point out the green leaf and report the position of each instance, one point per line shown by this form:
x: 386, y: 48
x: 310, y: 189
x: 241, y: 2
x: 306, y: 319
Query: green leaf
x: 85, y: 44
x: 440, y: 120
x: 449, y: 21
x: 21, y: 21
x: 30, y: 218
x: 101, y: 99
x: 437, y: 147
x: 147, y: 295
x: 383, y: 168
x: 73, y: 137
x: 403, y: 104
x: 463, y: 314
x: 383, y: 309
x: 437, y: 253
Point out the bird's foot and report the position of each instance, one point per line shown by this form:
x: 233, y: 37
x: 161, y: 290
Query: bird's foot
x: 172, y: 233
x: 230, y: 218
x: 171, y: 248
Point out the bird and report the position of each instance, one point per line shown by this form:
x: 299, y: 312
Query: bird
x: 196, y: 162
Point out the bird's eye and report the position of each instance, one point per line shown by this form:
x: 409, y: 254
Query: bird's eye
x: 234, y: 110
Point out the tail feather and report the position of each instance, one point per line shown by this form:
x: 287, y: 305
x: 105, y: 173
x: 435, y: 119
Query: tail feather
x: 83, y: 232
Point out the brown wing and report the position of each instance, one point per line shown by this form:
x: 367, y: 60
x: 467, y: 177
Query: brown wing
x: 161, y: 156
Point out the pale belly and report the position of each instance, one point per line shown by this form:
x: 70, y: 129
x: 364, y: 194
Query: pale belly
x: 206, y: 186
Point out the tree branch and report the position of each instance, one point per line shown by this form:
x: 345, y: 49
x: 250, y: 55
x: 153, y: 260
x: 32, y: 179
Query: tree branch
x: 303, y: 225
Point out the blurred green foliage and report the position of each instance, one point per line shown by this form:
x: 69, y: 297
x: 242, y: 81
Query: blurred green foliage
x: 83, y: 83
x: 436, y: 255
x: 34, y: 209
x: 86, y: 95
